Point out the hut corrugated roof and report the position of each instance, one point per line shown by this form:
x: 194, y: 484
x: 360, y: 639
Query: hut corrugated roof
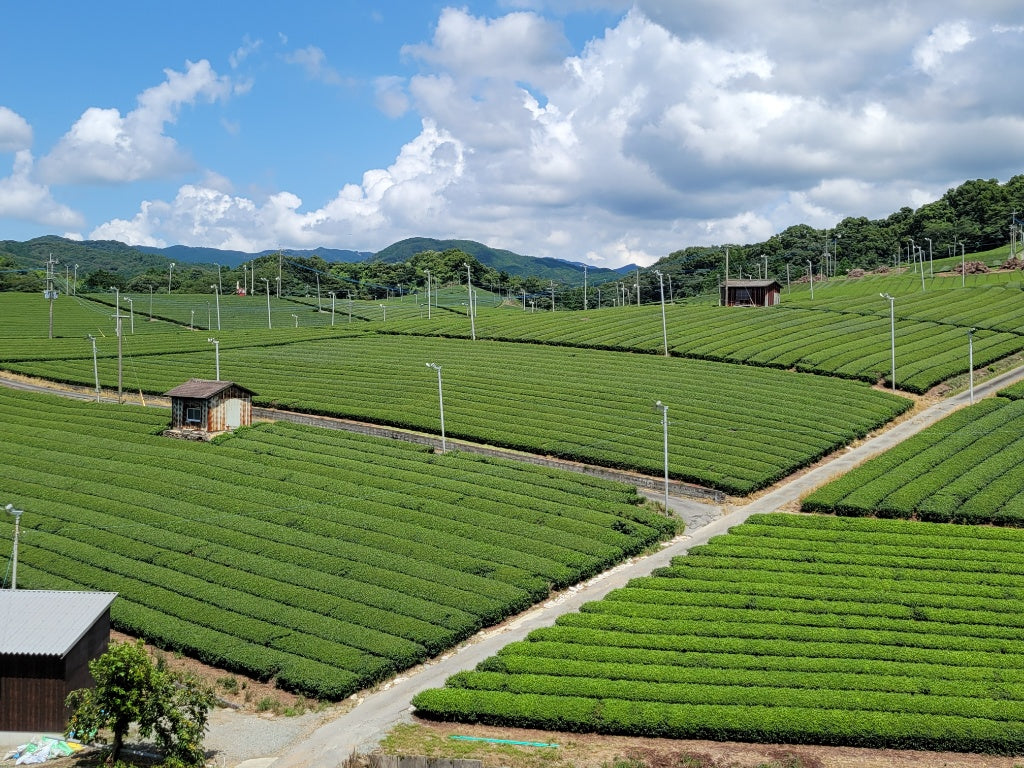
x: 753, y: 283
x: 40, y: 622
x: 203, y: 388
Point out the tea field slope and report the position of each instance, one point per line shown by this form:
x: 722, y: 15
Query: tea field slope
x: 325, y: 560
x: 789, y: 629
x: 848, y: 335
x: 964, y: 469
x: 735, y: 428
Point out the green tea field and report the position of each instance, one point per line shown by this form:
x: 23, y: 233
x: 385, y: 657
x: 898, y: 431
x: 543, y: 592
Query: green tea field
x: 789, y: 629
x: 323, y: 559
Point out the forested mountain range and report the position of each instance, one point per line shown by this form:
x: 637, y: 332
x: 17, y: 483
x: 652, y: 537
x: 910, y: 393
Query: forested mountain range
x: 976, y: 216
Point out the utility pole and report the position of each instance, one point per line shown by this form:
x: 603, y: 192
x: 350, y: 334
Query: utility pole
x: 723, y: 298
x: 664, y: 428
x: 266, y: 282
x: 95, y: 367
x: 117, y: 317
x: 638, y: 286
x: 428, y: 294
x: 552, y: 295
x: 584, y: 286
x: 469, y: 295
x: 664, y: 327
x: 16, y: 514
x: 51, y: 293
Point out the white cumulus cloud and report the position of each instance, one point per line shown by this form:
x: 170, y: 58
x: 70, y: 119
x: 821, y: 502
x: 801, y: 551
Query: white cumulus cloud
x: 23, y: 198
x: 949, y: 37
x: 406, y: 197
x: 107, y: 147
x: 15, y: 132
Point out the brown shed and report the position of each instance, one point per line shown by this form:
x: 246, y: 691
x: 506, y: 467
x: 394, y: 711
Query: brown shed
x: 47, y: 639
x: 201, y: 408
x: 750, y: 293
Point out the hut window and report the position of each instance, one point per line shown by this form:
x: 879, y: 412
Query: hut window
x: 193, y: 415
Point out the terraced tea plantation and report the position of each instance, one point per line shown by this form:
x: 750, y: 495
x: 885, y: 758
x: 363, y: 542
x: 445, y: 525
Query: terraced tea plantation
x: 734, y: 428
x: 965, y: 469
x: 789, y: 629
x: 323, y: 559
x: 847, y: 337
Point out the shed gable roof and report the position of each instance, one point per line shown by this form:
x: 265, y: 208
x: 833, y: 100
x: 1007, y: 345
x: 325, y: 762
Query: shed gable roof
x: 203, y: 388
x: 39, y: 622
x: 754, y: 283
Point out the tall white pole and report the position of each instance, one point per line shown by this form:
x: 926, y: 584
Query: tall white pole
x: 723, y: 299
x: 216, y: 355
x: 216, y: 293
x: 266, y: 282
x: 584, y: 286
x: 428, y: 294
x: 892, y: 334
x: 220, y: 285
x: 970, y: 359
x: 469, y: 294
x: 963, y: 266
x: 170, y: 269
x: 931, y: 261
x: 131, y: 313
x: 17, y: 513
x: 440, y: 401
x: 810, y: 271
x: 117, y: 319
x: 95, y: 367
x: 664, y: 326
x: 332, y: 308
x: 664, y: 427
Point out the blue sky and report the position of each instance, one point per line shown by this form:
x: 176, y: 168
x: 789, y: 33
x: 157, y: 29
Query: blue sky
x: 592, y: 130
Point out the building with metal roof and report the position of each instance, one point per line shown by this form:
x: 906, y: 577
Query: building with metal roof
x: 750, y: 293
x: 47, y: 639
x: 201, y: 408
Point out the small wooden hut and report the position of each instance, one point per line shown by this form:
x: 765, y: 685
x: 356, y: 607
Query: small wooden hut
x: 47, y: 639
x: 750, y: 293
x: 201, y: 408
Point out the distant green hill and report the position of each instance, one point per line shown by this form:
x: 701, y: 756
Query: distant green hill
x: 229, y: 258
x: 496, y: 258
x: 89, y: 255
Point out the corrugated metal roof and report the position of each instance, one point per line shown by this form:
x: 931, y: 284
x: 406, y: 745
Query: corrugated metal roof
x: 202, y: 388
x: 752, y: 283
x: 47, y: 623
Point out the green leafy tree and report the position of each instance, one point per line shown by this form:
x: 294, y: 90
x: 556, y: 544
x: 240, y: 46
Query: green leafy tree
x: 130, y: 688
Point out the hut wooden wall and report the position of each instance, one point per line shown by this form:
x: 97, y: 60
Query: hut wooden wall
x: 33, y: 688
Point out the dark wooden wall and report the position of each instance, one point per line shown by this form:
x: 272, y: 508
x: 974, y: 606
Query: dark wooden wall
x: 33, y: 688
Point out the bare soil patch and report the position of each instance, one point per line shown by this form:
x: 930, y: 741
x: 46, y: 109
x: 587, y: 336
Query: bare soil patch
x: 576, y: 750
